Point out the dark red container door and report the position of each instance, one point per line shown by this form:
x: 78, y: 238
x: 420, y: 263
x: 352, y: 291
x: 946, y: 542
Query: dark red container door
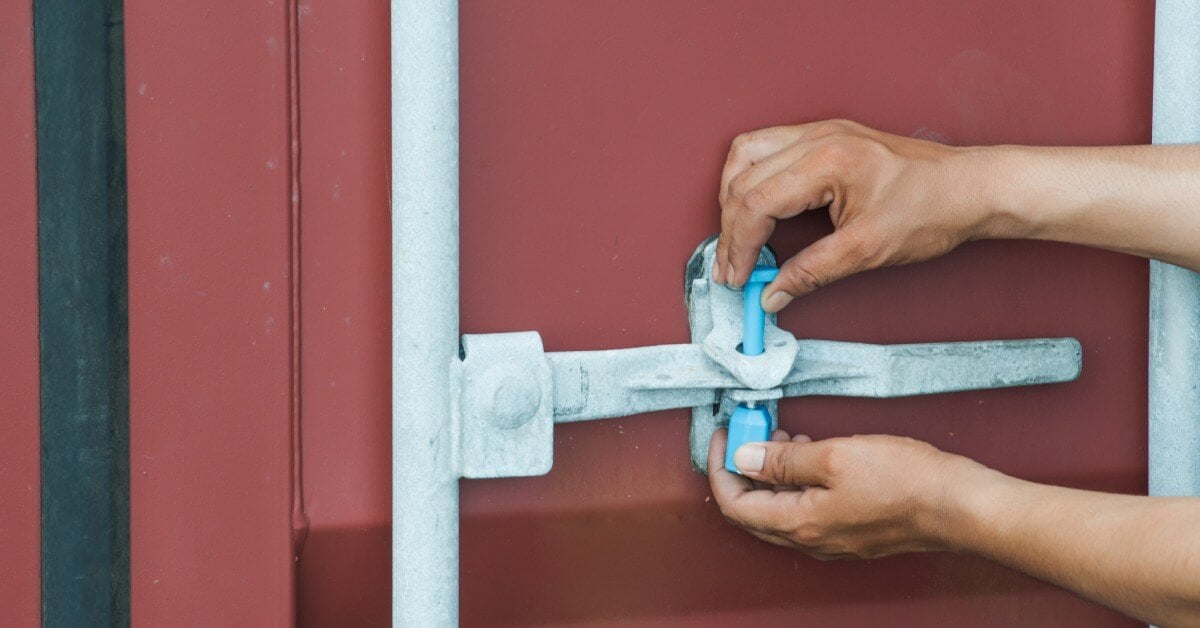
x: 593, y: 134
x: 20, y: 472
x: 211, y: 314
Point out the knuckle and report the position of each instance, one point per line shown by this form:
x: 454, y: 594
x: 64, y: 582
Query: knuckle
x: 834, y: 154
x: 854, y: 447
x: 826, y: 128
x: 807, y: 535
x: 848, y: 126
x: 722, y: 246
x: 758, y: 201
x: 875, y: 150
x: 738, y: 188
x: 831, y: 458
x: 739, y: 146
x: 834, y: 128
x: 804, y: 278
x: 776, y: 465
x: 739, y: 252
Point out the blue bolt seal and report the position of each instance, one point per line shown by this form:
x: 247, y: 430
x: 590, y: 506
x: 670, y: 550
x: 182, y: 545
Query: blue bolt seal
x: 754, y: 319
x: 751, y: 424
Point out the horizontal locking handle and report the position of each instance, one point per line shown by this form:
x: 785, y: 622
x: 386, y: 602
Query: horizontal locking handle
x: 510, y: 392
x: 620, y: 382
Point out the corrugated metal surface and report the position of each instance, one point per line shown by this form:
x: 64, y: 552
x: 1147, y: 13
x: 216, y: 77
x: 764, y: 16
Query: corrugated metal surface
x: 20, y: 514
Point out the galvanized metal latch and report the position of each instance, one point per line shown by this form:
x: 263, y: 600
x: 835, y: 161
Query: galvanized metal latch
x: 509, y: 392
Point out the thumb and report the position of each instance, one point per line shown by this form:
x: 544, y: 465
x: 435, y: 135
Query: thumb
x: 784, y: 463
x: 837, y: 255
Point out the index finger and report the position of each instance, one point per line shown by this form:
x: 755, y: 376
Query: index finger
x: 746, y: 150
x: 750, y: 148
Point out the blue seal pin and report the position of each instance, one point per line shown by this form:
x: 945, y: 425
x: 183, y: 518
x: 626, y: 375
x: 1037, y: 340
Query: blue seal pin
x: 751, y: 422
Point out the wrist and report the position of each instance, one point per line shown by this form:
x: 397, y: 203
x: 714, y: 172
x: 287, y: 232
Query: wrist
x: 992, y: 179
x: 959, y: 508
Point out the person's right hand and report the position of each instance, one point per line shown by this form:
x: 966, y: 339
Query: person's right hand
x: 893, y: 200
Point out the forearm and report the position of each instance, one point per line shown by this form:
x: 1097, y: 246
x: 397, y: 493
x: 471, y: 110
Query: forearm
x: 1143, y: 200
x: 1140, y: 555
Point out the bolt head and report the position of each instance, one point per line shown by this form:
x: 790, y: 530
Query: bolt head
x: 509, y: 395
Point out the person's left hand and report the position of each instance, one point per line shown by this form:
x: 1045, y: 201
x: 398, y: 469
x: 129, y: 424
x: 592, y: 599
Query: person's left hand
x: 861, y: 496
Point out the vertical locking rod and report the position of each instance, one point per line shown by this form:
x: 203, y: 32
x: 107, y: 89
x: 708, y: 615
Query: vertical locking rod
x: 424, y: 312
x: 1174, y: 436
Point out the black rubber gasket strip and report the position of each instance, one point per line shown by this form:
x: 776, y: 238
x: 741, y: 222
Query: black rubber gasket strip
x: 83, y: 319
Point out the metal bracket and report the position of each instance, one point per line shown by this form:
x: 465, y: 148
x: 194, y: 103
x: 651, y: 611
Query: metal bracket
x: 503, y: 388
x: 509, y: 392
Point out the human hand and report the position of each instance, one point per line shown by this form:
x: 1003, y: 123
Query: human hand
x: 893, y: 200
x: 861, y: 496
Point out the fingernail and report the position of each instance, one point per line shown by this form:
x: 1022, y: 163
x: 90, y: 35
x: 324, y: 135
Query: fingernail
x: 776, y: 301
x: 716, y: 271
x: 731, y: 278
x: 749, y: 458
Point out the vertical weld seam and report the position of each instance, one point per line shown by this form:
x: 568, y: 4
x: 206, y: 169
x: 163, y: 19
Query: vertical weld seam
x: 298, y: 517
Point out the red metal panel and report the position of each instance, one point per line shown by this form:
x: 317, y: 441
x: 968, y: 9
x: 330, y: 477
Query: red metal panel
x: 20, y: 462
x: 210, y: 313
x: 593, y: 134
x: 344, y: 577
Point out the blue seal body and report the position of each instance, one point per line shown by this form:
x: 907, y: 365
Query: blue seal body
x: 751, y: 424
x: 747, y: 425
